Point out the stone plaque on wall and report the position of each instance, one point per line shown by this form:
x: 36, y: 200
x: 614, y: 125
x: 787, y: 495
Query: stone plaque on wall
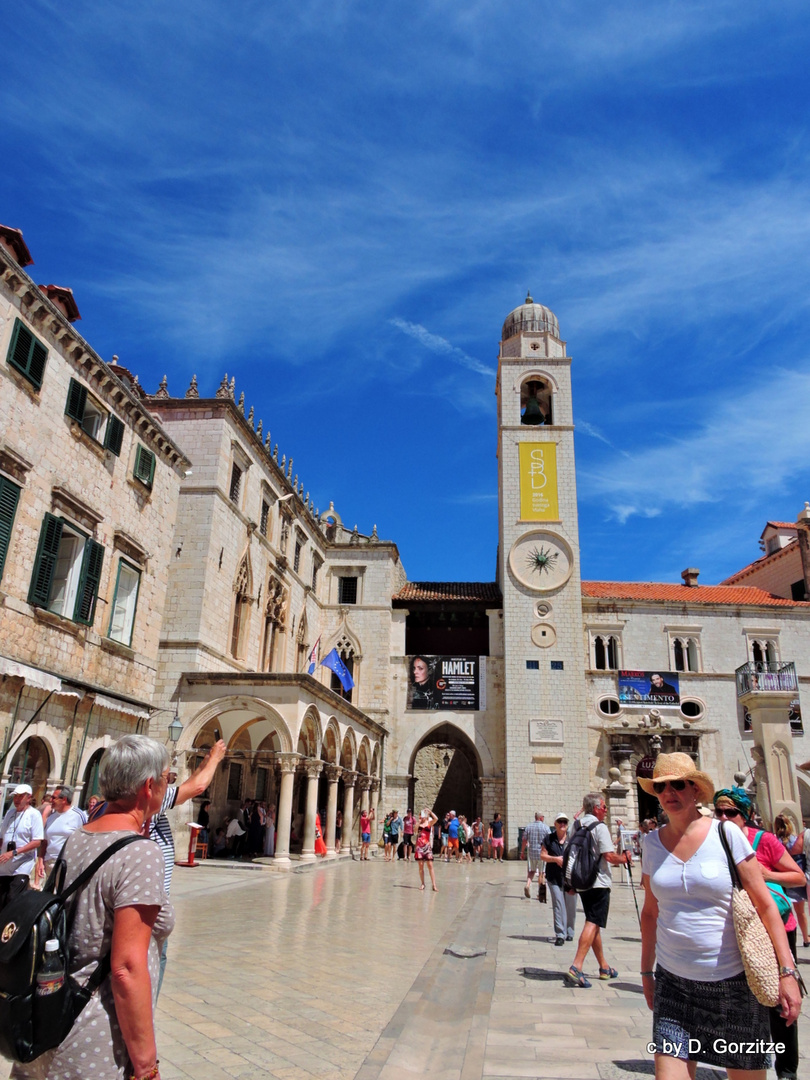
x: 542, y: 732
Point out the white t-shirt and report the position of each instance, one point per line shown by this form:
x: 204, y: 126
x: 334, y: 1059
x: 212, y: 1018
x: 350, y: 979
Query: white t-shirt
x: 603, y: 842
x: 20, y: 828
x: 58, y: 828
x: 695, y: 936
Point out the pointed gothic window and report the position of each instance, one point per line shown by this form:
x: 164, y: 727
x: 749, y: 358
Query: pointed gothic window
x: 241, y: 610
x: 346, y: 653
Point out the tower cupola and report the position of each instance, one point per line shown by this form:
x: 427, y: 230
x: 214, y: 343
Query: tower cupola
x: 530, y: 318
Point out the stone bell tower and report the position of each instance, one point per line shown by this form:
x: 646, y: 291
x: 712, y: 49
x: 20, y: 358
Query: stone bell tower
x: 546, y: 733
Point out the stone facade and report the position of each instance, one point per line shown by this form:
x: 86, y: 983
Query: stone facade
x: 86, y: 543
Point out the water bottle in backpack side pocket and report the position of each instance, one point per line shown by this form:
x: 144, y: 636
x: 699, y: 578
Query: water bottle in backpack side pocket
x: 51, y: 975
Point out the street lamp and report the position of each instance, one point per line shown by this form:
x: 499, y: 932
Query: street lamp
x: 175, y: 729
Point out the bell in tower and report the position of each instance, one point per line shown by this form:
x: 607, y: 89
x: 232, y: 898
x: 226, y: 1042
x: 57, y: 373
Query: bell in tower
x: 533, y: 415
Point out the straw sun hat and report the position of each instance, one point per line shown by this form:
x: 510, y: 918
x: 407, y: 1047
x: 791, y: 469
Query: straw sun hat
x: 678, y: 767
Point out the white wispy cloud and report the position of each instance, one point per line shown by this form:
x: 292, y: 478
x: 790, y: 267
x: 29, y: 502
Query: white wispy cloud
x: 436, y: 344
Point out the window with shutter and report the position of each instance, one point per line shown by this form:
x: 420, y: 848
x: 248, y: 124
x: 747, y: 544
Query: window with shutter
x: 27, y: 354
x: 347, y: 590
x: 236, y: 483
x: 45, y: 563
x: 89, y: 580
x: 144, y: 466
x: 9, y: 497
x: 114, y: 436
x: 122, y: 620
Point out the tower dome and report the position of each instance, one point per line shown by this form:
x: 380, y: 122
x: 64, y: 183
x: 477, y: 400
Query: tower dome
x: 532, y: 318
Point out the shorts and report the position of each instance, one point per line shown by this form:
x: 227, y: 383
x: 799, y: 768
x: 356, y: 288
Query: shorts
x: 393, y: 839
x: 407, y: 839
x: 365, y: 837
x: 452, y: 843
x: 338, y: 831
x: 596, y: 904
x: 478, y: 840
x: 496, y: 843
x: 535, y: 864
x: 445, y: 838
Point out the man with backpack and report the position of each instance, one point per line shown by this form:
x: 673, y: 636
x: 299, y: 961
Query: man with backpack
x: 588, y: 858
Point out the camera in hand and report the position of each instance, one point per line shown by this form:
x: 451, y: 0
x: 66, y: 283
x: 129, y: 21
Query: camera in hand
x: 11, y: 845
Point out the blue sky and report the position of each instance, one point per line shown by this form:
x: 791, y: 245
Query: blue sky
x: 340, y: 203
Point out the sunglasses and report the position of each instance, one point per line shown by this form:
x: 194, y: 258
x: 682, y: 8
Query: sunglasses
x: 722, y: 811
x: 662, y: 785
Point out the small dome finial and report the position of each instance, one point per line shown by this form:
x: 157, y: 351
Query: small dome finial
x: 528, y: 299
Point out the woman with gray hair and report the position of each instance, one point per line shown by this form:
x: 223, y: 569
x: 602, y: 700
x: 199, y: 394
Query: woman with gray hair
x: 124, y: 913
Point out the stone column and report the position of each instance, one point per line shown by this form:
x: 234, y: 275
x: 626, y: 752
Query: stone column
x: 312, y: 768
x: 773, y: 753
x: 375, y: 797
x: 332, y: 775
x: 347, y: 842
x: 287, y: 764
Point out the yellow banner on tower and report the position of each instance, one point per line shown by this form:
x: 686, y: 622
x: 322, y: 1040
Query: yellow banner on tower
x: 538, y: 482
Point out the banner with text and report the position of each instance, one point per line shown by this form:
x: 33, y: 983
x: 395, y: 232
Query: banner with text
x: 538, y: 482
x: 444, y: 682
x: 648, y: 688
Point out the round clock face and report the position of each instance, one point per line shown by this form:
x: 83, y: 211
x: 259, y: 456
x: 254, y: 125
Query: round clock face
x: 541, y: 561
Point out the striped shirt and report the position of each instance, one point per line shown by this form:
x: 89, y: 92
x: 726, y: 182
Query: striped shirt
x: 161, y: 832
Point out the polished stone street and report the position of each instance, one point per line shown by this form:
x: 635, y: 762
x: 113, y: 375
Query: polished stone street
x: 348, y: 970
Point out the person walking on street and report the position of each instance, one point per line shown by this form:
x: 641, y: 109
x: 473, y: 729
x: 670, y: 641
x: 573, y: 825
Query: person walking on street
x: 408, y: 826
x: 596, y: 900
x: 478, y: 838
x: 21, y: 833
x: 366, y: 821
x: 424, y: 847
x: 63, y: 820
x: 533, y: 836
x: 563, y: 903
x: 495, y: 838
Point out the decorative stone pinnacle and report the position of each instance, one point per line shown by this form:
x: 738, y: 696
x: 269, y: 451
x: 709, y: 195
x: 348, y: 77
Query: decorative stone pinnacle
x: 259, y: 427
x: 192, y: 391
x: 283, y: 461
x: 295, y: 481
x: 289, y: 470
x: 250, y: 416
x: 163, y: 389
x: 241, y: 404
x: 232, y: 386
x: 275, y: 451
x: 374, y: 538
x: 223, y: 391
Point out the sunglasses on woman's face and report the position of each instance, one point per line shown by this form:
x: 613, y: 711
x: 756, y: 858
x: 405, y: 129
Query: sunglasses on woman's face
x: 726, y: 811
x: 662, y: 785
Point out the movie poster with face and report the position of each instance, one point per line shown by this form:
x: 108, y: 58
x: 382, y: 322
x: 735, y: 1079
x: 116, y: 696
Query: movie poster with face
x: 443, y: 682
x: 649, y: 688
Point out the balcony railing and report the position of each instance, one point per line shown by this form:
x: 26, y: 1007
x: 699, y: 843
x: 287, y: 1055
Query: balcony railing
x: 759, y: 675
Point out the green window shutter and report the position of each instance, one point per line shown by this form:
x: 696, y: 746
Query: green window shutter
x: 76, y: 401
x: 27, y: 354
x: 145, y: 466
x: 40, y: 592
x: 89, y: 582
x: 9, y: 497
x: 114, y: 436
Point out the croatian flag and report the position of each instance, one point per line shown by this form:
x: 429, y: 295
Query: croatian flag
x: 334, y: 663
x: 313, y: 657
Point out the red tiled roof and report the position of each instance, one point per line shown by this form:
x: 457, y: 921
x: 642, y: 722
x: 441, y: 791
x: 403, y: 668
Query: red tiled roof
x: 781, y: 525
x: 65, y: 295
x: 757, y: 564
x: 737, y: 596
x: 486, y: 591
x: 14, y: 238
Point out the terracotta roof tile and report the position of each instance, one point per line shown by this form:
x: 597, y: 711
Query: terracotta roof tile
x: 758, y: 564
x: 737, y: 596
x: 473, y: 591
x: 781, y: 525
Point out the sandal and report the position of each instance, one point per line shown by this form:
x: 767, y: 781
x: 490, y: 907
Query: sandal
x: 574, y: 977
x: 608, y: 973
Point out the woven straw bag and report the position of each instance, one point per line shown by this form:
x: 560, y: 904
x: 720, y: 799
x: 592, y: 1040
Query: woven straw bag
x: 756, y: 947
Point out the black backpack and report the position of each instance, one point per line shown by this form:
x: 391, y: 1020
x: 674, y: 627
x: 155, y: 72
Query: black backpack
x: 581, y: 859
x: 29, y: 1024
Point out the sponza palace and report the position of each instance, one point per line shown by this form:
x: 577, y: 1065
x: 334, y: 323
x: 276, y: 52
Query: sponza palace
x: 164, y: 571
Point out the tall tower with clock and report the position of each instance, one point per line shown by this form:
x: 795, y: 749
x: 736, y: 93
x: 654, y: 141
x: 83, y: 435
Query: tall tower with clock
x: 546, y: 730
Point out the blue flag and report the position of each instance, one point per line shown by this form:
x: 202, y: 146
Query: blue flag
x: 334, y: 663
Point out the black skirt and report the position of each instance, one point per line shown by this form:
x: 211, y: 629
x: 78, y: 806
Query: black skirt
x: 718, y: 1023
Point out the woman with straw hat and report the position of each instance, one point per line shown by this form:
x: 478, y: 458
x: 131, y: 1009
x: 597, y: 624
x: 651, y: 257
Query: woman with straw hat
x: 703, y: 1009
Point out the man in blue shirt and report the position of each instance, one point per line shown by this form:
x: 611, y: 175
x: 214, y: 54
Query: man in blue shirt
x: 452, y: 837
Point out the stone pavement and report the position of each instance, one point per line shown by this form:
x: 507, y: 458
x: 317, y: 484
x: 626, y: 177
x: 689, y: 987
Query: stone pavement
x: 348, y: 970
